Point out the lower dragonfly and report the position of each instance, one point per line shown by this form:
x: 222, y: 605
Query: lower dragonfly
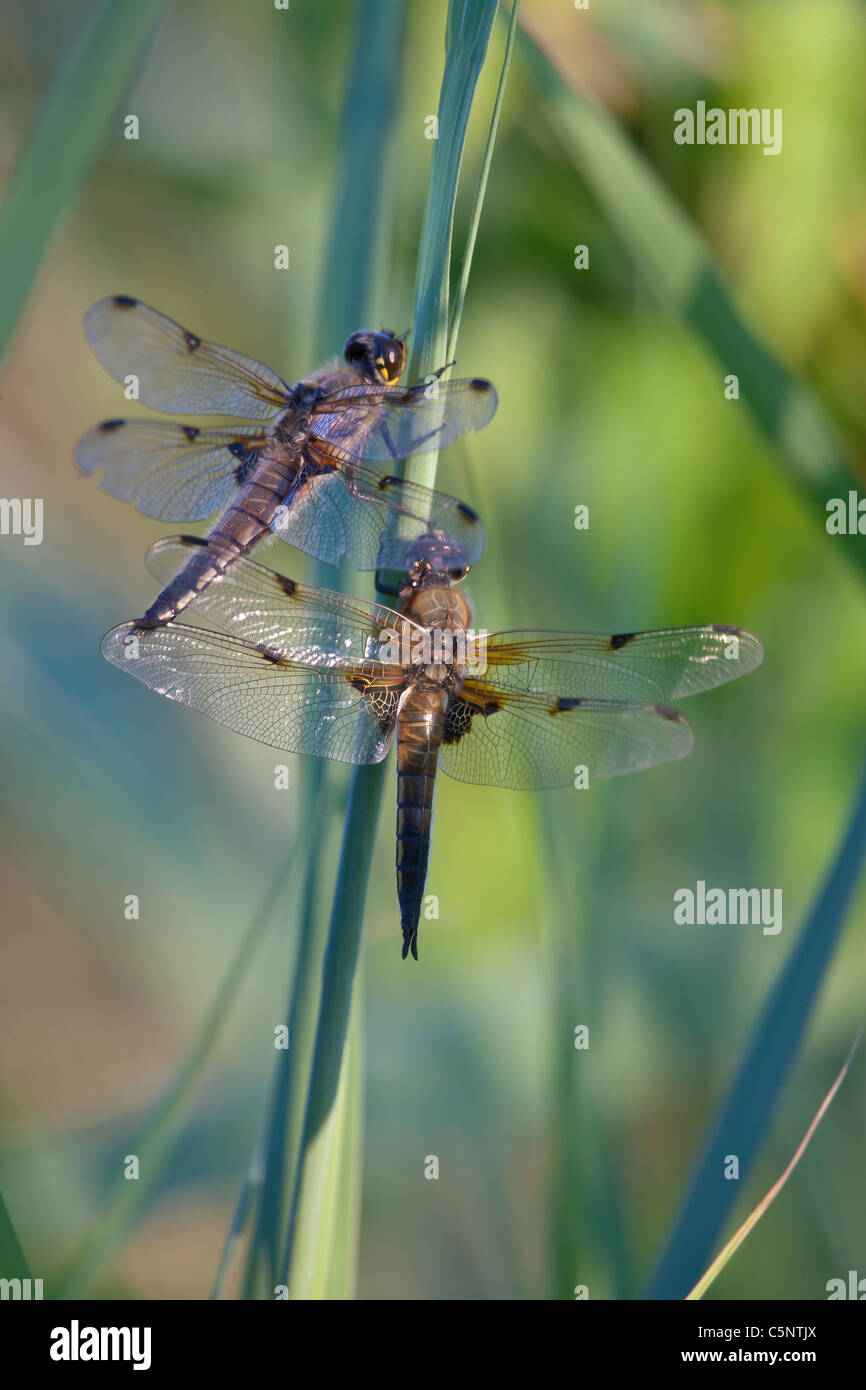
x: 315, y: 672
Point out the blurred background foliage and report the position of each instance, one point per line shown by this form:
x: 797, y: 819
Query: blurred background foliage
x: 557, y: 1167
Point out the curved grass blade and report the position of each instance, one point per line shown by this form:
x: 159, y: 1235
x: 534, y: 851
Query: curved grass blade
x: 746, y: 1113
x: 467, y: 37
x: 277, y: 1152
x: 676, y: 262
x: 329, y: 1221
x: 754, y: 1217
x: 483, y: 176
x: 249, y: 1190
x: 13, y: 1261
x: 72, y: 123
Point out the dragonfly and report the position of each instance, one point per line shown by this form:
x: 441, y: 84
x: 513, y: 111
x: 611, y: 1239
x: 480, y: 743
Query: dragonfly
x: 306, y: 471
x: 315, y: 672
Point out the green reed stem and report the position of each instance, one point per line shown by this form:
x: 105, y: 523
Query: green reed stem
x: 467, y: 37
x: 345, y: 303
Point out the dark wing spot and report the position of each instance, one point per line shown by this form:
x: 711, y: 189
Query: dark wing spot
x: 387, y: 482
x: 491, y: 707
x: 357, y: 683
x: 725, y: 627
x: 478, y: 383
x: 269, y: 654
x: 191, y: 432
x: 467, y: 513
x: 112, y: 424
x: 565, y: 702
x: 287, y: 585
x: 124, y: 301
x: 458, y: 720
x: 666, y: 713
x: 193, y: 540
x: 192, y: 342
x: 621, y: 639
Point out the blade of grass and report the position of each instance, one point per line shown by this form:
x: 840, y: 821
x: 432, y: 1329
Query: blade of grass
x: 487, y: 160
x: 328, y: 1225
x: 155, y: 1143
x: 342, y: 1269
x: 754, y: 1217
x: 345, y: 303
x: 676, y: 263
x: 72, y: 123
x: 467, y: 37
x: 249, y: 1188
x: 338, y: 975
x: 281, y: 1139
x: 13, y: 1261
x: 745, y: 1115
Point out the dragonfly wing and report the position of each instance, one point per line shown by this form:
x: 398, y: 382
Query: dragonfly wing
x: 170, y: 472
x: 644, y: 668
x: 317, y: 627
x: 379, y: 423
x: 501, y: 739
x: 349, y: 509
x: 341, y: 714
x: 176, y: 370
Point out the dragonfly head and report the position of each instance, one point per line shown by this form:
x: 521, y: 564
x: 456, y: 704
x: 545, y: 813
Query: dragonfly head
x: 435, y: 560
x: 380, y: 357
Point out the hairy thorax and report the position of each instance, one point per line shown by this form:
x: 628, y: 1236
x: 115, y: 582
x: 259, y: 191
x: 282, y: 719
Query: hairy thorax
x: 439, y: 608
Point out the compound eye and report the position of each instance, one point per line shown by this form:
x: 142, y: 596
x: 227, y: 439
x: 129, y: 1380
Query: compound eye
x: 390, y: 358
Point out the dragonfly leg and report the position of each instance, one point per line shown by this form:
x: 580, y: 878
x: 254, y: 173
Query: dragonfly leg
x: 385, y: 588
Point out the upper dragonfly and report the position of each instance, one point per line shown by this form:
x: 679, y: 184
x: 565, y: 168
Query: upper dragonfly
x: 302, y: 472
x: 315, y: 672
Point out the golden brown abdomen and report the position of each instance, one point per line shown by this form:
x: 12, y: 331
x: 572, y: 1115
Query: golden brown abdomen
x: 420, y: 725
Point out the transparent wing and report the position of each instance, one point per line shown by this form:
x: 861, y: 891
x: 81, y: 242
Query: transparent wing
x: 500, y: 739
x: 393, y: 422
x: 177, y: 370
x: 345, y: 715
x: 341, y: 507
x: 170, y: 472
x: 301, y: 623
x: 640, y: 667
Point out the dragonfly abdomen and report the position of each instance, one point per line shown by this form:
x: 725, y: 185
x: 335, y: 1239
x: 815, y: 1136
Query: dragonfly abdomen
x: 420, y: 725
x: 244, y: 524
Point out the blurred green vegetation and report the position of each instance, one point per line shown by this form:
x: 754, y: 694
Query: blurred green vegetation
x: 556, y: 1167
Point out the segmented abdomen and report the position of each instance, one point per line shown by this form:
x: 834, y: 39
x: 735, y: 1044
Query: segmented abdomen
x: 420, y: 725
x: 242, y: 526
